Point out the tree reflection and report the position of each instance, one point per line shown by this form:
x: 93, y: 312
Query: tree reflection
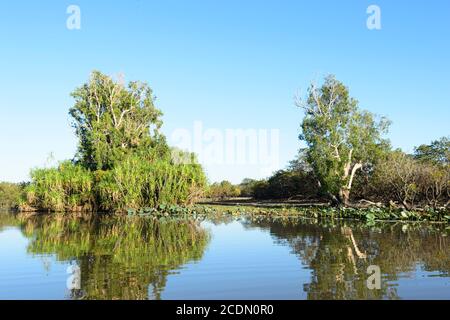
x: 131, y: 257
x: 119, y: 257
x: 339, y: 253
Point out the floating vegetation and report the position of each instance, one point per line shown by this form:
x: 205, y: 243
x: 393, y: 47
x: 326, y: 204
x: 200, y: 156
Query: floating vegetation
x: 368, y: 215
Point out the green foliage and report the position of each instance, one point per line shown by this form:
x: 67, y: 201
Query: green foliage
x: 438, y: 152
x: 341, y: 138
x: 261, y: 189
x: 222, y: 190
x: 66, y: 187
x: 10, y: 194
x: 369, y: 215
x: 247, y: 187
x: 123, y: 162
x: 112, y: 120
x: 400, y: 177
x: 285, y: 184
x: 297, y: 180
x: 135, y: 183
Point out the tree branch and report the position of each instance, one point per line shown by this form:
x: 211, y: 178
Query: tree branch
x: 355, y: 168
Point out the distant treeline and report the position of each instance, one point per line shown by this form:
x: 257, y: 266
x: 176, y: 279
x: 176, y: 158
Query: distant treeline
x: 10, y: 194
x: 410, y: 180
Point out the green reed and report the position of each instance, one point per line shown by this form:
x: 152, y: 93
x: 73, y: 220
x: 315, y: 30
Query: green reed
x: 131, y: 184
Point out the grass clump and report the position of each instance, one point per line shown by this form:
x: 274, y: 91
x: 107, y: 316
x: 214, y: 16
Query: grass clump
x: 68, y: 187
x: 134, y: 184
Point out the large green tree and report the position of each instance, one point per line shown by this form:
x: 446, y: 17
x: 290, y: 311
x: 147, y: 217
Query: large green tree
x: 341, y: 138
x: 123, y: 161
x: 112, y: 119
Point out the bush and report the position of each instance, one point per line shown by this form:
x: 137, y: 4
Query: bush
x: 222, y: 190
x: 10, y: 194
x: 286, y: 184
x: 400, y: 177
x: 261, y: 189
x: 67, y: 187
x: 134, y: 183
x: 137, y: 183
x: 247, y: 186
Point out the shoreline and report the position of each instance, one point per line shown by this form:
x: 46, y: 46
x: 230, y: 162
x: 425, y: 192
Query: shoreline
x: 273, y: 209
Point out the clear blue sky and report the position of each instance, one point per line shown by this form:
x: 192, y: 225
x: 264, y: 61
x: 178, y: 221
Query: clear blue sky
x: 229, y: 64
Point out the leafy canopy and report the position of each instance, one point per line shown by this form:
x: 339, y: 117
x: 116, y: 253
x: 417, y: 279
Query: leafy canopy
x: 438, y: 152
x: 112, y: 120
x: 340, y: 137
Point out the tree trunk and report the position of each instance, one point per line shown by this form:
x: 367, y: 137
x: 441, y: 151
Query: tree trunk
x: 344, y: 196
x: 349, y: 173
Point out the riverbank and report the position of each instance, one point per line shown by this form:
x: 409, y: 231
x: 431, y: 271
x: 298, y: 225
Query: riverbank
x: 250, y: 207
x: 367, y: 215
x: 278, y: 209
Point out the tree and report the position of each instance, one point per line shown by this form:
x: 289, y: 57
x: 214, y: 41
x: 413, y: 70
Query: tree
x: 399, y: 176
x: 112, y: 120
x: 247, y: 187
x: 290, y: 183
x: 222, y: 190
x: 300, y: 162
x: 396, y: 177
x: 122, y: 162
x: 341, y: 138
x: 438, y: 152
x: 10, y: 194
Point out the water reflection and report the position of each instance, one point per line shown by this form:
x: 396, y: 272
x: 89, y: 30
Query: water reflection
x: 340, y: 252
x: 133, y: 258
x: 119, y: 258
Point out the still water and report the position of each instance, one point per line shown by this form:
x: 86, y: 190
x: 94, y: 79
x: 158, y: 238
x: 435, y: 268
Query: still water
x: 57, y: 257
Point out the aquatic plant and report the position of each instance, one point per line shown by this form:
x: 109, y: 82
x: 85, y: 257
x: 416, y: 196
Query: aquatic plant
x: 369, y: 214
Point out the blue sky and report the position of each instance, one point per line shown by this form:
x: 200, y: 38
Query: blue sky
x: 228, y: 64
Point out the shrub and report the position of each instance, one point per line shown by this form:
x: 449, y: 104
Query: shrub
x: 400, y: 177
x: 222, y: 190
x: 286, y: 184
x: 10, y: 194
x: 261, y: 189
x: 136, y: 182
x: 66, y: 187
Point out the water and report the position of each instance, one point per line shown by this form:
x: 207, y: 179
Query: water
x: 219, y: 258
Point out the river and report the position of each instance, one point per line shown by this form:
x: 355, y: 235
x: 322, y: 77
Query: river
x: 220, y: 257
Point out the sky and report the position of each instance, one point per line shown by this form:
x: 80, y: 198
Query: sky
x: 221, y: 65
